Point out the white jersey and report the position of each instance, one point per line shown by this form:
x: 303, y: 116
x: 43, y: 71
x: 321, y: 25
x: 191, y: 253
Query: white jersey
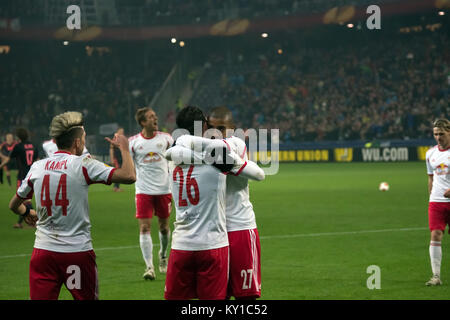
x: 240, y: 214
x: 61, y: 186
x: 50, y: 148
x: 152, y: 169
x: 199, y: 195
x: 438, y: 163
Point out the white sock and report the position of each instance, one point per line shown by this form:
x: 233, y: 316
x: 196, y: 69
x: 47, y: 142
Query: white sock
x: 145, y: 240
x: 164, y: 243
x: 436, y: 257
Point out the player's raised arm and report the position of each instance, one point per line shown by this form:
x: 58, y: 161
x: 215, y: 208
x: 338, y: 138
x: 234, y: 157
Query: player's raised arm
x: 250, y: 170
x: 125, y: 174
x: 181, y: 155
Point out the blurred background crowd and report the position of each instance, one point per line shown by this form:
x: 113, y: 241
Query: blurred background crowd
x: 332, y: 83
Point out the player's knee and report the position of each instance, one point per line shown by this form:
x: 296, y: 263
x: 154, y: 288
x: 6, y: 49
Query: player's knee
x: 164, y: 230
x: 144, y: 228
x: 164, y: 226
x: 436, y: 235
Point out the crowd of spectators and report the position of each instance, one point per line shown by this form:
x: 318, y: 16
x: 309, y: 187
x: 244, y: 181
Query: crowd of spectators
x: 106, y: 84
x: 360, y: 90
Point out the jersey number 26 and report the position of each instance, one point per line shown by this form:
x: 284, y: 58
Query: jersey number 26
x: 191, y: 183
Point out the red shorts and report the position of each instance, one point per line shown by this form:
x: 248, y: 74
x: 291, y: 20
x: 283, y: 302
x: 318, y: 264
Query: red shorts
x: 161, y: 204
x: 197, y: 274
x: 245, y: 264
x: 439, y: 215
x: 49, y: 270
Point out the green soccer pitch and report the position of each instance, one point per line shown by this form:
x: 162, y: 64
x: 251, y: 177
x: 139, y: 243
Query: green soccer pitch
x: 321, y: 227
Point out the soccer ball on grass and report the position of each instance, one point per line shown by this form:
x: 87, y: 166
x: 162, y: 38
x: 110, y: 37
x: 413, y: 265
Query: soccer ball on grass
x: 384, y: 186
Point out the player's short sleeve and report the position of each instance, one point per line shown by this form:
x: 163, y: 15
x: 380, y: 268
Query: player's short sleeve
x: 238, y: 146
x: 170, y: 140
x: 95, y: 171
x: 427, y: 161
x: 25, y: 191
x: 131, y: 146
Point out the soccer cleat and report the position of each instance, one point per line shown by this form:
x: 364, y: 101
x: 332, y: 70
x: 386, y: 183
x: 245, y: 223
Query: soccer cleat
x: 434, y: 281
x: 163, y: 265
x: 149, y: 274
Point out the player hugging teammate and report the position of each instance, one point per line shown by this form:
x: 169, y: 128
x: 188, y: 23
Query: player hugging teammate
x: 215, y: 246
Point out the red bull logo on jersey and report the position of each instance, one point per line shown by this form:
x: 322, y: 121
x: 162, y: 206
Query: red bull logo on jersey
x: 441, y: 169
x: 152, y: 157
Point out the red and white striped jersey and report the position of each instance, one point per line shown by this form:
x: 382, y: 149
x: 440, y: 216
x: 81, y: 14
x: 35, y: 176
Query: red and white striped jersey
x: 199, y: 195
x: 438, y: 163
x: 152, y: 169
x: 61, y: 186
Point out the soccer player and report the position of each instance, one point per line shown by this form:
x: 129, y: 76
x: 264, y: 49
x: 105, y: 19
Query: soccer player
x: 243, y: 237
x: 63, y: 250
x: 25, y: 154
x: 198, y: 264
x: 5, y: 149
x: 153, y: 194
x: 116, y: 159
x: 438, y: 163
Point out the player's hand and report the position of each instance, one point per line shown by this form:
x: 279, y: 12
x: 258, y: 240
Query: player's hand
x: 447, y: 193
x: 119, y: 141
x: 31, y: 218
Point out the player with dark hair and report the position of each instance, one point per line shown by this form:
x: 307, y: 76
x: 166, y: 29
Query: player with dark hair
x: 5, y: 149
x: 25, y: 154
x: 438, y: 164
x: 245, y: 248
x: 198, y: 264
x: 197, y: 259
x: 243, y: 238
x: 153, y: 194
x: 63, y: 252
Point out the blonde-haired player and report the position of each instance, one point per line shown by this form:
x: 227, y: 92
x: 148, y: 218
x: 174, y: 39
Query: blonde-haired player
x: 63, y: 245
x: 153, y: 194
x: 438, y: 163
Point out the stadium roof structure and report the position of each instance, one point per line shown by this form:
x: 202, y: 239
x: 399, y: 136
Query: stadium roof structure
x: 105, y: 20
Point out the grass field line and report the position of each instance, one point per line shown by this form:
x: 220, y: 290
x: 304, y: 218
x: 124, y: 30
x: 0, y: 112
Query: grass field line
x: 338, y: 233
x: 262, y: 238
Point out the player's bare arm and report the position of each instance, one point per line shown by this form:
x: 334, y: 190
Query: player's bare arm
x: 17, y: 206
x: 430, y: 184
x: 126, y: 174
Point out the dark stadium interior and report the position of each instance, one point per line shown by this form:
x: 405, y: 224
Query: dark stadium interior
x: 322, y: 83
